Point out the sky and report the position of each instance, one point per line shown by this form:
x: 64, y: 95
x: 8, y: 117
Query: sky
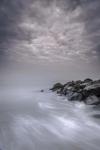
x: 59, y: 37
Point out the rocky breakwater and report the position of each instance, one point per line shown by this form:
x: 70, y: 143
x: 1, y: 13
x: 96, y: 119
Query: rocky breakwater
x: 87, y: 91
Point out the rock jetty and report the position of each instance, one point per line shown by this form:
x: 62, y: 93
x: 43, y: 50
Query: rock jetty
x: 87, y: 91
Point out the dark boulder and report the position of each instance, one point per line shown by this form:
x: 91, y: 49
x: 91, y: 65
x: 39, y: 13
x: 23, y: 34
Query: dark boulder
x: 78, y: 82
x: 87, y: 80
x: 57, y: 86
x: 87, y: 91
x: 93, y: 89
x: 72, y: 83
x: 92, y: 100
x: 78, y: 87
x: 73, y: 96
x: 42, y: 91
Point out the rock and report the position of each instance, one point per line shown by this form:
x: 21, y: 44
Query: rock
x: 93, y: 89
x: 78, y: 82
x: 78, y: 87
x: 75, y: 97
x: 87, y: 80
x: 72, y: 83
x: 57, y: 86
x: 42, y: 91
x: 74, y: 88
x: 92, y: 100
x: 64, y: 90
x: 87, y: 91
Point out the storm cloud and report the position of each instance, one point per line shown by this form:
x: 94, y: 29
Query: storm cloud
x: 50, y: 30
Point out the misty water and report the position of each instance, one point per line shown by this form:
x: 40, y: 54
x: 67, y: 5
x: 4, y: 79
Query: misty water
x: 31, y: 120
x: 51, y: 41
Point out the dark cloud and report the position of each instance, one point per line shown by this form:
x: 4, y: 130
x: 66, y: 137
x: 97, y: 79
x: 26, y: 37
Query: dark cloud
x: 8, y: 18
x: 13, y: 14
x: 92, y: 25
x: 10, y: 15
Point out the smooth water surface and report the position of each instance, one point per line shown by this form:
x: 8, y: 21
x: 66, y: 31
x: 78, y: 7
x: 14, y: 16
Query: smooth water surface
x: 31, y: 120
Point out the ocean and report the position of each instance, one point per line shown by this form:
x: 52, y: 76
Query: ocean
x: 31, y: 120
